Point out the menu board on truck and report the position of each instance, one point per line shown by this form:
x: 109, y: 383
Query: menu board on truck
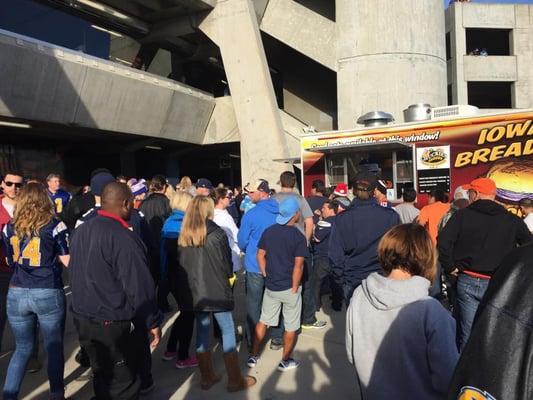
x: 433, y: 168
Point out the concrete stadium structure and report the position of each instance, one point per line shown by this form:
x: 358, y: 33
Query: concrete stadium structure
x: 180, y: 74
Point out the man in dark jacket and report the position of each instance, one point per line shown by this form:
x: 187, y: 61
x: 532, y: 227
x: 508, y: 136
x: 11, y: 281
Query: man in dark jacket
x: 496, y: 361
x: 472, y: 245
x: 354, y: 237
x: 156, y: 209
x: 112, y: 294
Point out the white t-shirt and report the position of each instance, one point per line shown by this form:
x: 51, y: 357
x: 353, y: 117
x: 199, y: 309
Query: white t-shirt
x: 223, y: 219
x: 529, y: 221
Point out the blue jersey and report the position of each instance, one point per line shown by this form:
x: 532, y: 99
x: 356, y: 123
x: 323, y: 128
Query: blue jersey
x: 35, y: 260
x: 60, y: 199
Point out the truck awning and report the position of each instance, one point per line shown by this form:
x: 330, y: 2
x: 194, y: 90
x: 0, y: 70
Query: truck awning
x: 392, y: 145
x: 290, y: 160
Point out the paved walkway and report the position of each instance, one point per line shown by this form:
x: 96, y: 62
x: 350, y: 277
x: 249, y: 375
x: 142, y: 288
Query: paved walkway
x: 324, y: 374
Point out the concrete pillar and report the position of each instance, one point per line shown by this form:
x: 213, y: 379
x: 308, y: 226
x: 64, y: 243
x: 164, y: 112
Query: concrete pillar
x: 390, y: 54
x: 522, y: 48
x: 232, y: 25
x: 458, y: 47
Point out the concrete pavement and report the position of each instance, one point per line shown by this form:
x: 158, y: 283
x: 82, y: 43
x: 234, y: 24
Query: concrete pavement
x: 324, y: 374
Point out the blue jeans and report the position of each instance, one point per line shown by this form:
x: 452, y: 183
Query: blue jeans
x: 225, y: 322
x: 470, y: 291
x: 255, y: 288
x: 24, y: 308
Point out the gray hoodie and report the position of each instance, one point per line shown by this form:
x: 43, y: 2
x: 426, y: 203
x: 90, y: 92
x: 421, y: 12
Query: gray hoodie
x: 400, y: 340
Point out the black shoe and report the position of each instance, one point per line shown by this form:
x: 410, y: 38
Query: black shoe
x: 276, y: 344
x: 33, y: 366
x: 82, y: 358
x: 147, y: 387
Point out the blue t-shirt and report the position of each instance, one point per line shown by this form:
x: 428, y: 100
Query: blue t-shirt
x: 34, y: 260
x: 282, y: 244
x: 60, y: 199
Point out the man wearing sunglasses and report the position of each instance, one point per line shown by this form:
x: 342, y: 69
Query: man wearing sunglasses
x: 11, y: 185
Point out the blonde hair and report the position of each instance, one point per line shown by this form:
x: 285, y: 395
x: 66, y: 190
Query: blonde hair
x: 185, y: 183
x: 180, y: 200
x: 33, y: 210
x: 194, y: 228
x: 410, y: 248
x: 169, y: 192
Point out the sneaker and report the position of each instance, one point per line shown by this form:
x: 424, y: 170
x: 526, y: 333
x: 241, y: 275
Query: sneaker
x: 315, y: 325
x: 187, y: 363
x: 169, y: 355
x: 276, y: 344
x: 252, y: 361
x: 288, y: 364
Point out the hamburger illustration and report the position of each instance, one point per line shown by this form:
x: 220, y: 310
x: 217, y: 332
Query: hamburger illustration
x: 514, y: 179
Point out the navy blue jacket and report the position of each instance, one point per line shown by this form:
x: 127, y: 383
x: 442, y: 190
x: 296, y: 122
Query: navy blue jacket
x: 109, y: 274
x: 354, y: 239
x: 137, y: 223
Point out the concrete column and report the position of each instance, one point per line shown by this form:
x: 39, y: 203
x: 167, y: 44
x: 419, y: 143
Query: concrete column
x: 232, y: 25
x: 522, y: 48
x: 390, y: 54
x: 458, y: 47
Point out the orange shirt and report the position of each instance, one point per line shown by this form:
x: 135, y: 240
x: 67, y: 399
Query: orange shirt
x: 430, y: 217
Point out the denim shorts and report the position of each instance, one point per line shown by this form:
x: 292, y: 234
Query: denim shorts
x: 286, y: 302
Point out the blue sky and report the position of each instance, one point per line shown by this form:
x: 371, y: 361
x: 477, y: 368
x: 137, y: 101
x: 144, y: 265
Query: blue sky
x: 497, y: 1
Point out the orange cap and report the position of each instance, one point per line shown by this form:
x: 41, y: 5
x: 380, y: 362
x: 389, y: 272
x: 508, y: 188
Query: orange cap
x: 482, y: 185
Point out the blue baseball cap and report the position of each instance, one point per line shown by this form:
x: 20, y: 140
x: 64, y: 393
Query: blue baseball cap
x: 99, y: 181
x: 204, y: 183
x: 287, y: 209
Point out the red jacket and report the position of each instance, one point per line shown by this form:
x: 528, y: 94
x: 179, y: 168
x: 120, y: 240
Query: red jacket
x: 4, y: 219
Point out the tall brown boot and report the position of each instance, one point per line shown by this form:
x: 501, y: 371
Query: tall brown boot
x: 205, y: 363
x: 236, y: 381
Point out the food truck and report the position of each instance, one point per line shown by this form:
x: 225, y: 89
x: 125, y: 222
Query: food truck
x: 436, y: 153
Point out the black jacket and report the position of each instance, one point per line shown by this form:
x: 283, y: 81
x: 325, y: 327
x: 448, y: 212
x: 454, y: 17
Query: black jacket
x: 156, y: 209
x: 208, y: 269
x: 109, y: 275
x: 498, y: 357
x: 478, y: 237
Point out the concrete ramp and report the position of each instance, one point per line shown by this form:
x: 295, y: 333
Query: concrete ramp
x: 302, y: 29
x: 42, y: 82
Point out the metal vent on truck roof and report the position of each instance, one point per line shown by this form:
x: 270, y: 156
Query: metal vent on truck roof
x: 417, y: 112
x: 375, y: 118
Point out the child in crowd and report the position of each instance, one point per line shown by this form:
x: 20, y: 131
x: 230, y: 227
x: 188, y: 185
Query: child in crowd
x: 401, y: 341
x: 281, y: 252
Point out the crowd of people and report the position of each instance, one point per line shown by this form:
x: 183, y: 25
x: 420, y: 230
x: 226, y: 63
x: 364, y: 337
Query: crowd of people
x: 428, y: 292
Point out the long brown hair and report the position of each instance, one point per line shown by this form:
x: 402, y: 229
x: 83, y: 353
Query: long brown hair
x: 194, y: 228
x: 33, y: 210
x: 410, y: 248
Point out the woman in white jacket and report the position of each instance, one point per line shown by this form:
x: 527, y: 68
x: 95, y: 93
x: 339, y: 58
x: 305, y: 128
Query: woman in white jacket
x: 400, y: 340
x: 223, y: 219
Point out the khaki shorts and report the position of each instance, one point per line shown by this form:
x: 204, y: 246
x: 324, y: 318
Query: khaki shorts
x: 290, y: 304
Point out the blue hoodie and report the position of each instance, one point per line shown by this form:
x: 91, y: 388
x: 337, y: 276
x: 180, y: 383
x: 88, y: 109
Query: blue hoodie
x: 253, y: 224
x: 171, y: 230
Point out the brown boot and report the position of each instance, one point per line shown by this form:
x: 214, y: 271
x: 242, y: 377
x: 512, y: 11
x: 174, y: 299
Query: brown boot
x: 205, y: 363
x: 236, y: 381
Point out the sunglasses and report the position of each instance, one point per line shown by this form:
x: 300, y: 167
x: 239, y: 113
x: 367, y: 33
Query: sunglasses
x: 18, y: 185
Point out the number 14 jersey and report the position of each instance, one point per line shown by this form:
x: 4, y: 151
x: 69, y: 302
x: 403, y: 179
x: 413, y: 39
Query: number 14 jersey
x: 35, y: 260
